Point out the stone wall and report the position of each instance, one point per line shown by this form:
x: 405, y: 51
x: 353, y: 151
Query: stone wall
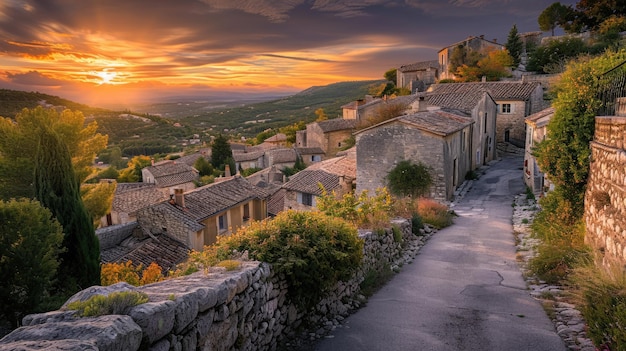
x: 247, y: 309
x: 605, y: 198
x: 113, y: 235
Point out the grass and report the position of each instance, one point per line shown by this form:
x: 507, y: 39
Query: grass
x: 114, y: 303
x: 434, y: 213
x: 375, y: 279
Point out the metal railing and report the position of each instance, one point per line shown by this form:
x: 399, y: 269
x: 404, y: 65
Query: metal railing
x: 611, y: 86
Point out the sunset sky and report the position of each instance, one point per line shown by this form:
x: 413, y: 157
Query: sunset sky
x: 123, y: 51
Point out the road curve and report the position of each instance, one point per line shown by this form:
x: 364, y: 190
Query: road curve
x: 464, y: 291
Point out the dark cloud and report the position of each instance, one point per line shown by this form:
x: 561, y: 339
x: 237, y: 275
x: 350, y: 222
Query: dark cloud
x: 33, y: 78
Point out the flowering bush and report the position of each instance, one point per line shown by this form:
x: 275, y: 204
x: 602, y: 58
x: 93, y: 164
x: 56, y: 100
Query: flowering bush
x: 363, y: 211
x: 112, y: 273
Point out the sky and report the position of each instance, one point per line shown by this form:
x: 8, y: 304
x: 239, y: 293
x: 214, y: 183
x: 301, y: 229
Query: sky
x: 103, y: 52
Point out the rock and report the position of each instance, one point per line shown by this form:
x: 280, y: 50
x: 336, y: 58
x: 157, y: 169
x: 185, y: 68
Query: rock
x: 86, y: 294
x: 156, y: 319
x: 65, y: 345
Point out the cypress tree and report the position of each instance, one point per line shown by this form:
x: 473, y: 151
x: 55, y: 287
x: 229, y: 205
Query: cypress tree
x: 221, y: 152
x: 58, y: 189
x: 515, y: 46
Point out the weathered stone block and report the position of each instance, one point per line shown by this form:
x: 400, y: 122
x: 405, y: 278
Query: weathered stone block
x: 156, y: 319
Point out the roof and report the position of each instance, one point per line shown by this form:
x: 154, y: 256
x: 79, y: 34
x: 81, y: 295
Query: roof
x: 516, y: 90
x: 211, y: 199
x: 277, y: 138
x: 130, y: 197
x: 171, y: 173
x: 537, y: 117
x: 437, y: 121
x: 308, y: 180
x: 162, y: 249
x: 248, y: 156
x: 419, y: 66
x: 276, y: 202
x: 463, y: 101
x: 190, y: 159
x: 342, y: 166
x: 282, y: 155
x: 309, y: 150
x: 332, y: 125
x: 471, y: 38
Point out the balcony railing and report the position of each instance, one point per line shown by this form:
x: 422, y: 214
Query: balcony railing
x: 611, y: 86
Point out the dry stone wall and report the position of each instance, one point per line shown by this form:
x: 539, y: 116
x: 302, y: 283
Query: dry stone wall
x: 247, y: 309
x: 605, y: 198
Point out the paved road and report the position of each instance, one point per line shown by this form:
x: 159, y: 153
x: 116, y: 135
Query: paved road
x: 464, y: 291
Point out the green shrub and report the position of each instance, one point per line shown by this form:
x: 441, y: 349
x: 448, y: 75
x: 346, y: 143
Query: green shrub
x: 416, y: 223
x: 602, y: 301
x: 310, y: 249
x: 114, y: 303
x: 529, y: 194
x: 471, y: 175
x: 397, y: 234
x: 434, y: 213
x: 409, y: 179
x: 364, y: 211
x: 374, y: 279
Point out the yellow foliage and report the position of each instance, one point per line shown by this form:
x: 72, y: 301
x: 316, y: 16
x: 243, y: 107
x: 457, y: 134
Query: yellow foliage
x: 112, y: 273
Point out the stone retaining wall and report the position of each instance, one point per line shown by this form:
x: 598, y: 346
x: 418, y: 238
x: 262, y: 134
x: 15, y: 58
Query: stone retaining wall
x: 605, y: 197
x: 246, y: 309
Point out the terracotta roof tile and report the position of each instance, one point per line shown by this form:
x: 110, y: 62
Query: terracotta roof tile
x: 172, y: 173
x: 130, y: 197
x: 498, y: 90
x: 439, y: 122
x: 535, y: 117
x: 276, y: 202
x: 309, y: 150
x: 308, y: 180
x: 282, y: 155
x: 463, y: 100
x: 341, y: 166
x: 335, y: 124
x: 248, y: 156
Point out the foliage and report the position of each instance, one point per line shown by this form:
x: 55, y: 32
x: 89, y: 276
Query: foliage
x: 514, y: 46
x: 321, y: 115
x: 310, y: 249
x: 553, y: 56
x: 553, y: 16
x: 221, y: 152
x: 297, y: 167
x: 204, y: 167
x: 132, y: 173
x: 30, y: 242
x: 250, y: 171
x: 204, y: 180
x: 290, y: 130
x: 434, y: 213
x: 461, y: 56
x: 391, y: 75
x: 374, y: 279
x: 409, y: 179
x: 112, y: 156
x: 127, y: 272
x: 108, y: 173
x: 118, y: 302
x: 385, y: 111
x: 601, y: 296
x: 565, y: 155
x: 397, y: 234
x: 18, y: 142
x: 363, y: 211
x: 416, y: 224
x: 493, y: 66
x: 98, y: 199
x: 230, y: 265
x: 57, y: 188
x: 609, y: 31
x: 590, y: 14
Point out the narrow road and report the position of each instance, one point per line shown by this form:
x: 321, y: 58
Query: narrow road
x: 464, y: 291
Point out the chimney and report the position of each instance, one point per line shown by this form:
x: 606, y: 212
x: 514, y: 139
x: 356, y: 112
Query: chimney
x: 152, y: 161
x: 495, y: 40
x: 179, y: 197
x: 482, y: 36
x: 227, y: 171
x: 483, y: 79
x: 422, y: 104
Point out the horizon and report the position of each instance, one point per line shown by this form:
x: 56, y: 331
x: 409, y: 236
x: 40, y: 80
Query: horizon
x: 105, y: 53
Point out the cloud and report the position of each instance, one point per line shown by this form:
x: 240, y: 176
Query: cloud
x: 275, y: 10
x: 33, y: 78
x: 296, y: 58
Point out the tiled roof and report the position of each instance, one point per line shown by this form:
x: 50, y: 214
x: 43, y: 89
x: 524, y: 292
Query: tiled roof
x: 419, y: 66
x: 463, y: 101
x: 276, y: 202
x: 309, y: 150
x: 267, y: 175
x: 351, y: 105
x: 308, y: 180
x: 248, y: 156
x: 210, y: 199
x: 172, y: 173
x: 335, y: 124
x: 130, y: 197
x: 439, y: 122
x: 342, y: 166
x: 162, y: 249
x: 535, y: 117
x: 280, y: 137
x: 190, y: 159
x: 516, y: 90
x: 282, y: 155
x: 471, y: 38
x: 262, y: 147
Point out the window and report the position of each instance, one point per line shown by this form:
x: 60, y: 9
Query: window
x: 506, y: 108
x: 316, y: 158
x: 246, y: 212
x: 485, y: 123
x: 463, y: 141
x: 222, y: 222
x: 305, y: 199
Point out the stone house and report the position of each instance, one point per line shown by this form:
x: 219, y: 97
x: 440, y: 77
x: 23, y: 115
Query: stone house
x: 197, y: 217
x: 536, y: 128
x: 169, y: 175
x: 437, y: 138
x: 516, y: 100
x: 280, y: 158
x: 483, y: 110
x: 310, y: 155
x: 246, y: 160
x: 279, y: 139
x: 472, y: 43
x: 353, y: 109
x: 417, y: 76
x: 329, y: 135
x: 128, y: 199
x: 336, y: 174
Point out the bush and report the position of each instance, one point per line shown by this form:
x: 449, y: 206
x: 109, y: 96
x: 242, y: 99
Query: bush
x: 112, y: 273
x: 364, y: 211
x: 409, y: 179
x: 311, y: 250
x: 416, y: 224
x: 230, y: 265
x: 397, y: 234
x: 434, y: 213
x: 602, y: 299
x: 114, y: 303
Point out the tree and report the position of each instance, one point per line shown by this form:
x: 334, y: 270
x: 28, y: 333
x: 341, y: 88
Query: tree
x: 132, y: 173
x: 409, y: 179
x: 30, y: 243
x: 590, y: 14
x: 203, y: 166
x: 553, y: 16
x: 98, y: 199
x: 291, y: 130
x: 321, y: 115
x: 17, y: 141
x: 220, y: 152
x: 494, y: 66
x: 461, y: 55
x: 554, y: 55
x: 514, y: 46
x: 57, y: 188
x: 391, y: 75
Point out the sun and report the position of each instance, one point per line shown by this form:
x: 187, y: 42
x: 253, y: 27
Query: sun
x: 107, y: 75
